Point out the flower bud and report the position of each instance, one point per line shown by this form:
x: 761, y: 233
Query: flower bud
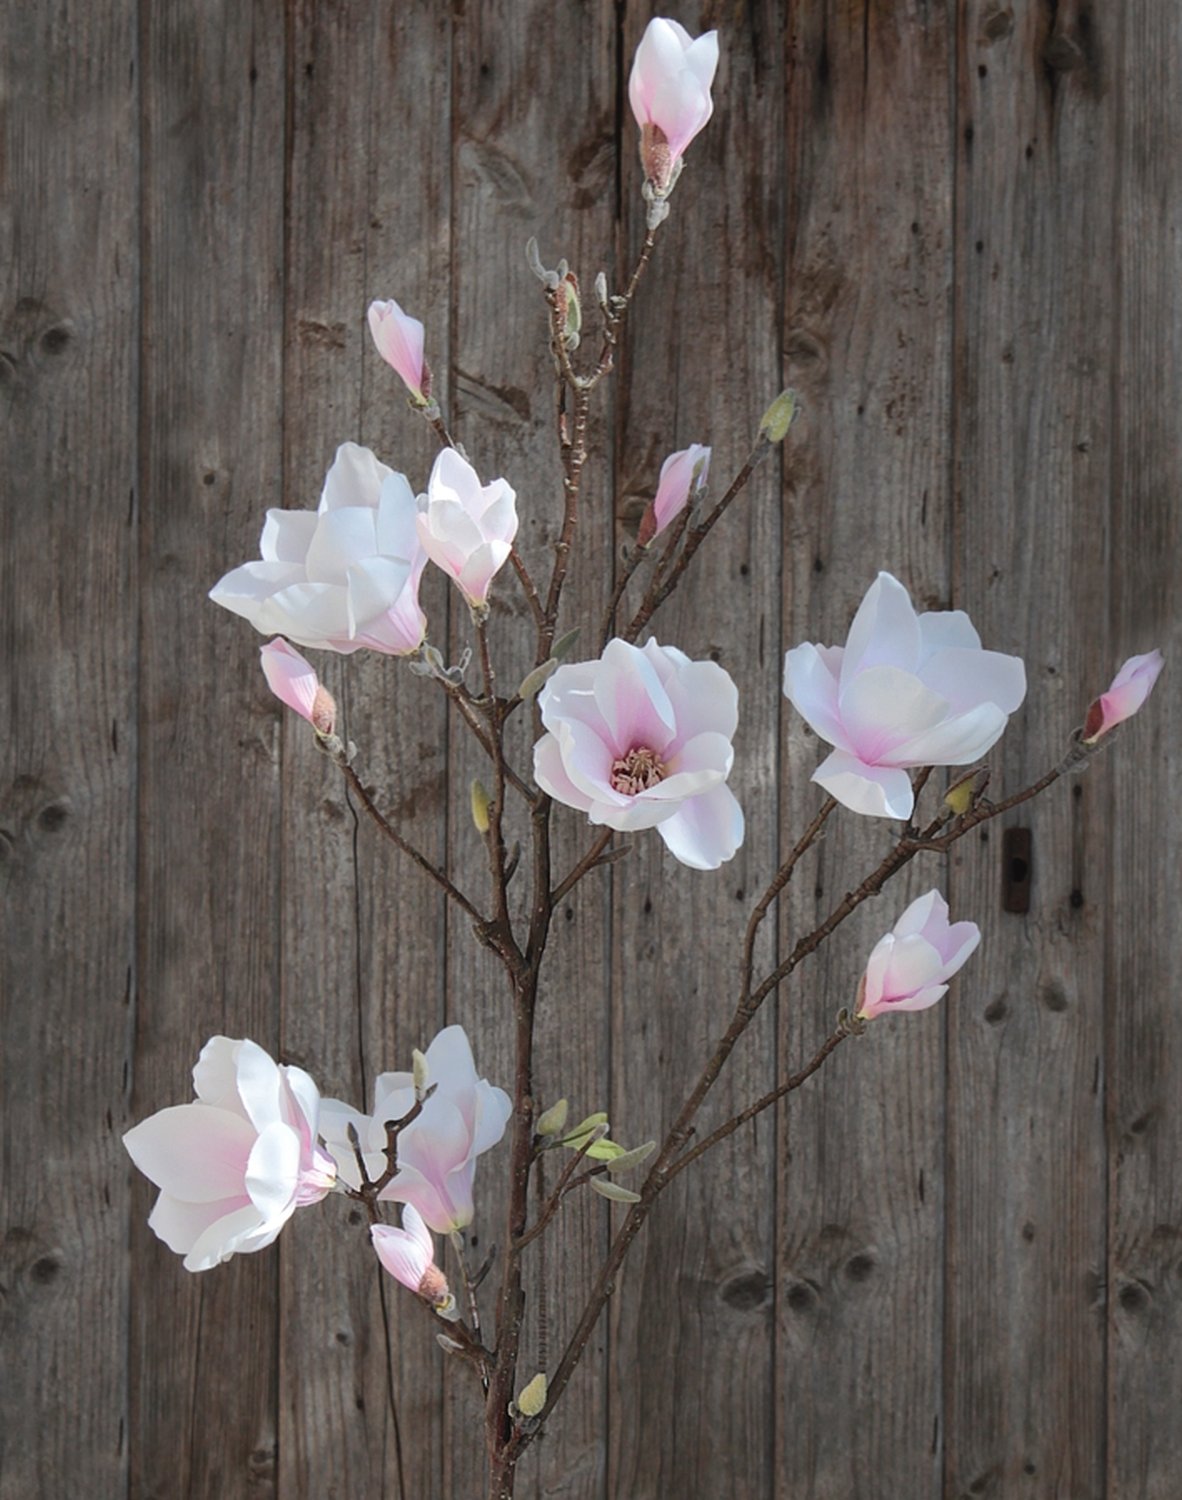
x: 480, y: 806
x: 533, y: 1397
x: 420, y: 1072
x: 965, y: 792
x: 780, y: 415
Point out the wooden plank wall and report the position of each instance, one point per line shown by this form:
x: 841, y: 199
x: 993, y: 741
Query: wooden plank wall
x: 953, y: 1266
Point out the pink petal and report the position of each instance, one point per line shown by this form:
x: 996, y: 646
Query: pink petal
x: 290, y: 677
x: 634, y: 704
x: 401, y: 1253
x: 399, y: 340
x: 1129, y: 690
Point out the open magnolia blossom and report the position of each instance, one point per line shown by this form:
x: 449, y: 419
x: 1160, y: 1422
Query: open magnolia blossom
x: 464, y: 1117
x: 399, y: 341
x: 409, y: 1256
x: 905, y: 690
x: 294, y: 682
x: 641, y: 738
x: 344, y: 576
x: 682, y: 474
x: 467, y: 528
x: 233, y: 1167
x: 1130, y: 688
x: 669, y: 91
x: 910, y: 967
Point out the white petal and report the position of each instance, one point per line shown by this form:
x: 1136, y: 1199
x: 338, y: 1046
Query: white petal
x: 940, y: 629
x: 242, y: 1230
x: 704, y: 697
x: 884, y: 707
x: 287, y: 535
x: 356, y: 478
x: 885, y: 630
x: 550, y: 775
x: 968, y: 678
x: 706, y: 831
x: 810, y: 685
x: 194, y: 1152
x: 450, y: 1063
x: 374, y: 587
x: 259, y: 1085
x: 215, y: 1076
x: 272, y: 1174
x: 245, y: 590
x: 180, y: 1225
x: 927, y: 910
x: 956, y: 742
x: 876, y: 791
x: 493, y: 1108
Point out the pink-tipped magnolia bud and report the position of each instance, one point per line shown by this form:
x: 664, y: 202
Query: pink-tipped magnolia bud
x: 910, y: 967
x: 682, y: 474
x: 669, y: 90
x: 408, y: 1254
x: 399, y: 341
x: 294, y: 682
x: 1130, y: 688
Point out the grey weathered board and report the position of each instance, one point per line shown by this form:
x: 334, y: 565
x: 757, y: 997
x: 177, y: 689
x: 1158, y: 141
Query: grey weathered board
x: 951, y: 1266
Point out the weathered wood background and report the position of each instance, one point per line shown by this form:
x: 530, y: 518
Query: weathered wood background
x: 953, y: 1267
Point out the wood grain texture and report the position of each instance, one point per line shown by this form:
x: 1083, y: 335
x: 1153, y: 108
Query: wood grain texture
x: 1144, y: 866
x: 362, y: 959
x: 949, y: 1266
x: 68, y: 359
x: 868, y: 344
x: 204, y: 1348
x: 1024, y: 1337
x: 691, y: 376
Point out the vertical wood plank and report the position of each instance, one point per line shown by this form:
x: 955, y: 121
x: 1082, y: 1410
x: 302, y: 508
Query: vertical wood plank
x: 1144, y: 1060
x: 690, y: 1400
x: 868, y: 345
x: 1024, y: 1369
x: 69, y: 289
x: 203, y: 1348
x: 533, y: 151
x: 362, y: 958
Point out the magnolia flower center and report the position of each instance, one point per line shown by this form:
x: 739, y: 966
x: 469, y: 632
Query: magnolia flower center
x: 638, y: 771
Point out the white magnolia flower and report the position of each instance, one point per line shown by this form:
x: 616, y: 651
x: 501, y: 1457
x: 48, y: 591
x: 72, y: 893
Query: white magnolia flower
x: 669, y: 91
x: 341, y: 577
x: 910, y: 967
x: 467, y: 528
x: 641, y: 738
x: 234, y: 1166
x: 437, y: 1151
x: 905, y: 690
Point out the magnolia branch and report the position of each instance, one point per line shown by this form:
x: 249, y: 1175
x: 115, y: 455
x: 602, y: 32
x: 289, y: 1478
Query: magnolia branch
x: 361, y: 792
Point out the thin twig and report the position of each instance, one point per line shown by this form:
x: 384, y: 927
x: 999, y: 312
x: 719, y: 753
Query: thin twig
x: 587, y: 862
x: 729, y: 1128
x: 781, y: 878
x: 408, y: 848
x: 556, y: 1196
